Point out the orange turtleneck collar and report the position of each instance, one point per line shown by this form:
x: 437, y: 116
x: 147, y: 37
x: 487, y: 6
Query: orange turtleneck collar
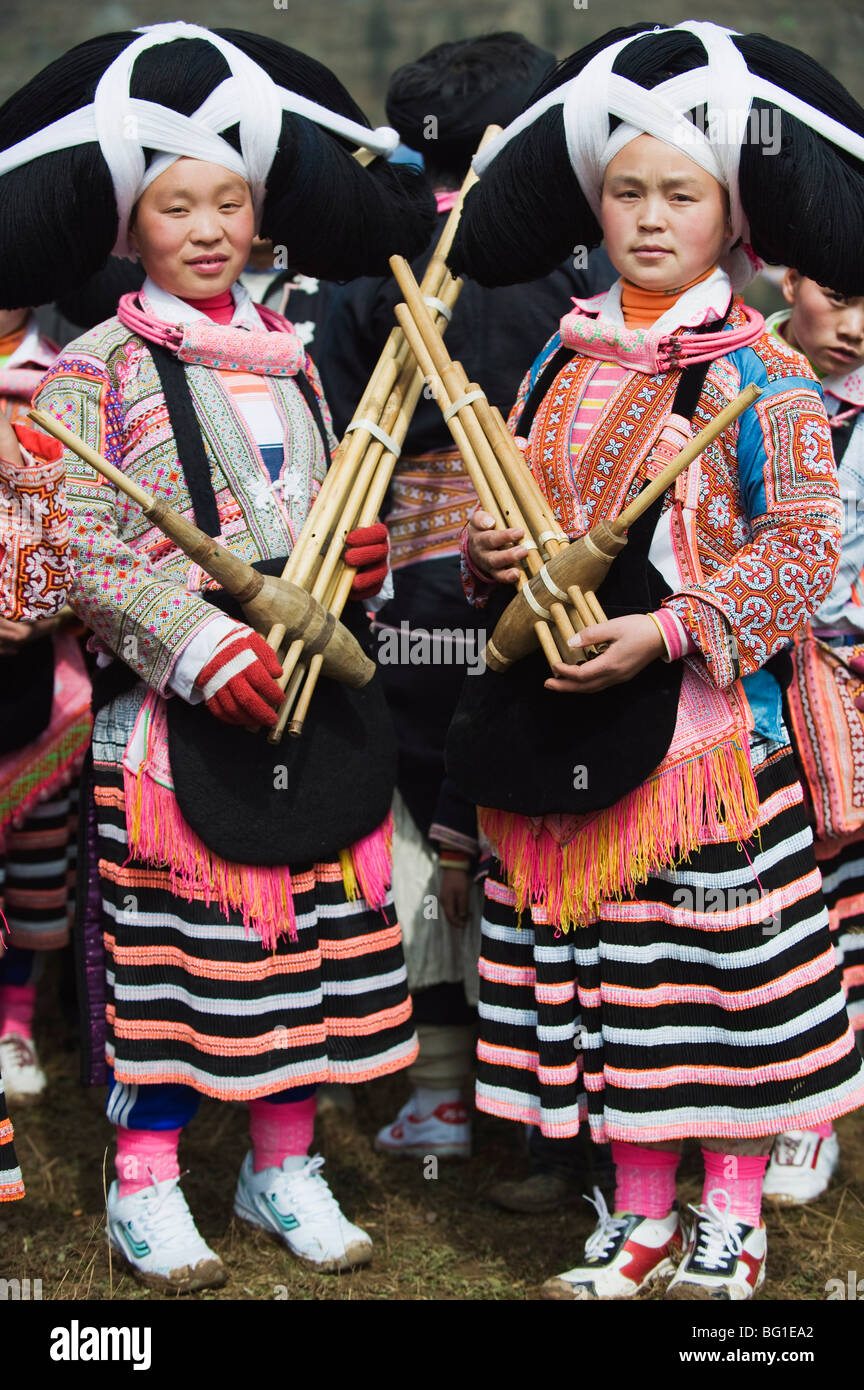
x: 642, y: 308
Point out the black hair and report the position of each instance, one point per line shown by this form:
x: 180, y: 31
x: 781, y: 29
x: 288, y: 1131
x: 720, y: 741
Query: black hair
x: 443, y: 101
x: 804, y: 202
x: 58, y: 215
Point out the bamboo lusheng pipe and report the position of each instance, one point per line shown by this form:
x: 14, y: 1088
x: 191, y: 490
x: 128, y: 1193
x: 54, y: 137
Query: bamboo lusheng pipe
x: 263, y: 598
x: 492, y: 492
x: 313, y: 536
x: 369, y: 491
x: 496, y: 468
x: 332, y: 580
x: 585, y: 562
x: 382, y: 401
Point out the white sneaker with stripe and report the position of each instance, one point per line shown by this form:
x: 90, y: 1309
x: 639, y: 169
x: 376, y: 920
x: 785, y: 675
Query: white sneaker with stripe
x: 296, y: 1205
x: 154, y: 1231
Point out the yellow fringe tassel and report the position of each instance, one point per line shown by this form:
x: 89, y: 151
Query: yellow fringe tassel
x: 657, y: 826
x: 349, y: 878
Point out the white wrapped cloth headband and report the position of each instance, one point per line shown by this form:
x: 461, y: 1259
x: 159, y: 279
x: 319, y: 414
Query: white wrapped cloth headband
x: 725, y: 85
x: 124, y: 126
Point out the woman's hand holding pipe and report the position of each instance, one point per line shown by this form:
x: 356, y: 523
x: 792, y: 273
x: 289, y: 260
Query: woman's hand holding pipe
x: 495, y: 554
x: 633, y: 642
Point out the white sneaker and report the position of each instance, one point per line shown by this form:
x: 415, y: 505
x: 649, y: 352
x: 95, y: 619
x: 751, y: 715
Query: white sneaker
x: 446, y: 1133
x: 623, y: 1254
x: 154, y: 1232
x: 299, y: 1208
x: 725, y: 1258
x: 802, y: 1165
x: 23, y: 1078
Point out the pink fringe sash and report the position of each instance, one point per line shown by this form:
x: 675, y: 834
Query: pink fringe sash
x: 703, y: 791
x: 159, y: 835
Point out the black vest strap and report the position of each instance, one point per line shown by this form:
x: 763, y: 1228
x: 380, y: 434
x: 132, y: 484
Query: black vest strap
x: 556, y: 363
x: 186, y: 429
x: 307, y: 391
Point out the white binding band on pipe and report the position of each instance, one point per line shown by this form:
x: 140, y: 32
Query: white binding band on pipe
x: 551, y: 536
x: 377, y: 433
x: 455, y: 406
x: 532, y: 602
x: 432, y: 302
x: 552, y: 587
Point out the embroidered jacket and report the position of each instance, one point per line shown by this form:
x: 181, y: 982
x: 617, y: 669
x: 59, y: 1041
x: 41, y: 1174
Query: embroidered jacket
x: 768, y: 514
x: 844, y: 402
x: 33, y: 521
x: 131, y: 584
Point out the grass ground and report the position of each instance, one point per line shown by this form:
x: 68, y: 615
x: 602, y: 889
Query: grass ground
x: 435, y: 1238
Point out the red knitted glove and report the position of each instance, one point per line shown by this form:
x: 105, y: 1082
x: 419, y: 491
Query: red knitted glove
x: 237, y: 682
x: 366, y: 550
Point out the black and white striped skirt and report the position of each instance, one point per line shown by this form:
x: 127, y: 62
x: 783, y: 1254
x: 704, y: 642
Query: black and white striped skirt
x: 843, y: 886
x: 709, y: 1004
x: 194, y: 998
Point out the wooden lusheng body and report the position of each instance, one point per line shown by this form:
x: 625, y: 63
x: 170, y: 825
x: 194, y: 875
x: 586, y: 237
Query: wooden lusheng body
x: 556, y: 595
x: 265, y: 599
x: 584, y: 563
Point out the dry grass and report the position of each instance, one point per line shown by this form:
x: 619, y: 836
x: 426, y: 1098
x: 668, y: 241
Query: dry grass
x: 435, y: 1239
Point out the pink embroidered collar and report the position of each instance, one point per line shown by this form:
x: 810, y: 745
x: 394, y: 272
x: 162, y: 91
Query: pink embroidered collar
x: 278, y: 351
x: 652, y: 350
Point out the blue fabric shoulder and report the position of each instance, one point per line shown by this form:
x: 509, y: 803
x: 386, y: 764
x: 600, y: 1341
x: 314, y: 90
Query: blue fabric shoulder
x: 544, y: 355
x: 751, y: 446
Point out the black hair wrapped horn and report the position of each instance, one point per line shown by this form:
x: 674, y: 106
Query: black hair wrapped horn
x: 803, y: 197
x: 58, y: 215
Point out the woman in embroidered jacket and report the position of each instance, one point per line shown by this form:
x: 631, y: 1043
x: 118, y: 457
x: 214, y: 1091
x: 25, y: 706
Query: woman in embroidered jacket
x: 696, y: 977
x: 222, y: 979
x: 33, y: 585
x: 828, y: 328
x: 45, y: 729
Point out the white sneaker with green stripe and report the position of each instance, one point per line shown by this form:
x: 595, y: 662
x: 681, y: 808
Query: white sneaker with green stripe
x: 154, y: 1231
x: 295, y: 1204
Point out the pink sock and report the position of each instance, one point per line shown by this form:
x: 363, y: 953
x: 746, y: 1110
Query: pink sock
x: 824, y: 1131
x: 142, y: 1153
x: 280, y: 1131
x: 644, y: 1179
x: 740, y: 1179
x: 16, y: 1009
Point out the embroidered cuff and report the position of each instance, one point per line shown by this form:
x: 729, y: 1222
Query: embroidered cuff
x: 477, y: 586
x: 466, y: 551
x: 676, y: 638
x: 452, y: 841
x: 711, y: 635
x: 33, y: 472
x: 450, y: 859
x: 195, y: 656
